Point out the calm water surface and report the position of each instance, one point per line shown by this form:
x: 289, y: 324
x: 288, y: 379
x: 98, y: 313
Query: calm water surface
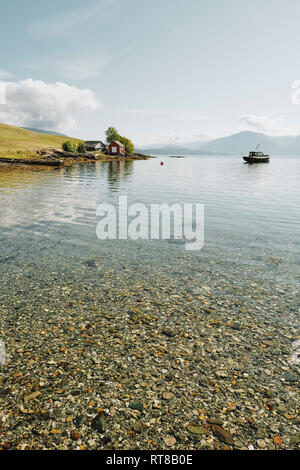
x: 252, y: 222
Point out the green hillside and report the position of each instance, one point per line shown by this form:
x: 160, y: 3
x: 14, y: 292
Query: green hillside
x: 16, y: 142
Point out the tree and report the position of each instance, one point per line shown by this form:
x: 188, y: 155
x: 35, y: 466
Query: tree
x: 129, y: 147
x: 81, y: 148
x: 112, y: 134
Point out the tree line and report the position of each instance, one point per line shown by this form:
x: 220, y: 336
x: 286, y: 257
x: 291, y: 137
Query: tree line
x: 111, y: 135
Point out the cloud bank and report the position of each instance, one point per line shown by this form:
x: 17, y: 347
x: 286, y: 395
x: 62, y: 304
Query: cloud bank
x: 51, y: 106
x: 262, y: 123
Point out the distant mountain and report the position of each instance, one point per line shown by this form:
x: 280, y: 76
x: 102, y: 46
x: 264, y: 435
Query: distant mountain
x: 293, y: 148
x: 172, y: 151
x: 235, y: 144
x: 41, y: 131
x: 243, y: 142
x: 283, y: 141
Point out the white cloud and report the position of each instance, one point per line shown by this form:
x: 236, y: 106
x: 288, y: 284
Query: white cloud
x: 52, y: 106
x: 4, y: 75
x: 263, y: 123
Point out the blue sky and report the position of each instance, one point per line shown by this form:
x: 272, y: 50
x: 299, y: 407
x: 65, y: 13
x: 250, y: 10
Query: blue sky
x: 165, y: 71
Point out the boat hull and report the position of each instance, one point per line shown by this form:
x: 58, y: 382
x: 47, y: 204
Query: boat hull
x: 257, y: 160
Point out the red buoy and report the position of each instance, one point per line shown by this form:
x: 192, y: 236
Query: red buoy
x: 162, y: 163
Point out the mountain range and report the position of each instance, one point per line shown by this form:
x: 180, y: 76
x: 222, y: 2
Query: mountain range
x: 41, y: 131
x: 242, y: 142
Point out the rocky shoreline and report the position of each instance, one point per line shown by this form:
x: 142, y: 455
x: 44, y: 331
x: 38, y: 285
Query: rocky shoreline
x: 59, y: 158
x: 100, y: 359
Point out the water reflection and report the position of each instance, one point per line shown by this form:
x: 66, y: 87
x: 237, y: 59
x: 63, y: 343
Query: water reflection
x: 117, y: 172
x: 69, y: 194
x: 113, y: 172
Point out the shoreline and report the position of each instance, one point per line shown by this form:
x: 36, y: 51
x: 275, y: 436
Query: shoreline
x: 19, y: 163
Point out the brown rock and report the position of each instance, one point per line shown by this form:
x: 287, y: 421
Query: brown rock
x: 277, y: 440
x: 6, y: 446
x: 222, y: 434
x: 219, y: 422
x: 75, y: 436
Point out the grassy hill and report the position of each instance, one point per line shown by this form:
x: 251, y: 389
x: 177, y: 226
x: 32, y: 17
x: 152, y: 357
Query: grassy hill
x: 16, y: 142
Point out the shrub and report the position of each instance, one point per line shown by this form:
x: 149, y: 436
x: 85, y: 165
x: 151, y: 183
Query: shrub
x: 81, y: 148
x: 69, y: 147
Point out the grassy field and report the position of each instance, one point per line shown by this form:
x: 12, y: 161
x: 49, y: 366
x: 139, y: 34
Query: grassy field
x: 20, y: 143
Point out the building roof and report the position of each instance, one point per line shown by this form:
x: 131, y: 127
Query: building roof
x: 94, y: 142
x: 118, y: 143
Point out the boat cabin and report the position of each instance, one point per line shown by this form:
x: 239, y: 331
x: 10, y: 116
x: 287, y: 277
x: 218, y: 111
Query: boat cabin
x: 256, y: 154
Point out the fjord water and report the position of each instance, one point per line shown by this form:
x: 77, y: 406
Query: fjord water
x: 252, y: 225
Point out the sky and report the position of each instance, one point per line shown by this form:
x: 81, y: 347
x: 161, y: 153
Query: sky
x: 161, y: 72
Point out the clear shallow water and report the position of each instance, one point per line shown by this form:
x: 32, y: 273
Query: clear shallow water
x: 251, y: 216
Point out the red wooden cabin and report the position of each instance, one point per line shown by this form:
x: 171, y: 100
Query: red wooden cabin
x: 116, y: 148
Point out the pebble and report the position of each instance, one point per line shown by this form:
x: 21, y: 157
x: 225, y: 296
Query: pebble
x: 296, y: 438
x: 261, y: 443
x: 170, y: 441
x: 219, y: 422
x: 99, y: 423
x: 168, y: 395
x: 196, y: 429
x: 136, y: 405
x: 150, y: 371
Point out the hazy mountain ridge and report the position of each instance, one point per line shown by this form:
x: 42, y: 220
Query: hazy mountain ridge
x: 172, y: 150
x: 239, y: 143
x: 42, y: 131
x: 243, y: 142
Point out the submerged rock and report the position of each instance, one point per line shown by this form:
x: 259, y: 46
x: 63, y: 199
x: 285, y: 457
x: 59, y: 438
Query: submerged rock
x: 99, y: 423
x: 197, y: 429
x: 136, y: 405
x: 222, y: 434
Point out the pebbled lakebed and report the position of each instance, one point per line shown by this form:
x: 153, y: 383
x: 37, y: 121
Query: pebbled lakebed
x: 144, y: 345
